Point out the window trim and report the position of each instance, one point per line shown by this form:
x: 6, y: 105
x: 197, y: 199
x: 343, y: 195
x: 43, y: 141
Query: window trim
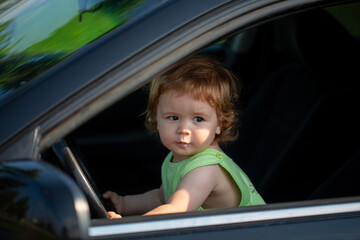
x: 123, y: 228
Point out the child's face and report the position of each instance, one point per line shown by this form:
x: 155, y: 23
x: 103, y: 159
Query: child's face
x: 186, y: 126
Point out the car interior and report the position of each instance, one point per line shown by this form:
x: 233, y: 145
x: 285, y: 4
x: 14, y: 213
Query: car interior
x: 299, y: 137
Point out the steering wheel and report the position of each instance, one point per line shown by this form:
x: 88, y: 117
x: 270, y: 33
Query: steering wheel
x: 71, y: 164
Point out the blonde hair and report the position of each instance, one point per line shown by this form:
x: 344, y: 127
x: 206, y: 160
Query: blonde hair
x: 206, y: 80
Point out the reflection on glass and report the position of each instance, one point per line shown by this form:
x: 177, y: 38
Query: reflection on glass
x: 10, y: 187
x: 37, y: 34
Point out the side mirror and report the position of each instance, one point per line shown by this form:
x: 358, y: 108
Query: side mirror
x: 38, y: 201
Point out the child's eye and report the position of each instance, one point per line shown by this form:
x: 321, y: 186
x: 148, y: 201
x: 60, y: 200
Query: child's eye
x: 198, y: 119
x: 173, y: 118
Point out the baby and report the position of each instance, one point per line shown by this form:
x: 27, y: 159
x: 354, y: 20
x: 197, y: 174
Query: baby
x: 194, y: 108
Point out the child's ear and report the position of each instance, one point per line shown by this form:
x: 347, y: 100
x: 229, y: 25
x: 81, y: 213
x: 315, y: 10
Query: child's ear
x: 218, y: 130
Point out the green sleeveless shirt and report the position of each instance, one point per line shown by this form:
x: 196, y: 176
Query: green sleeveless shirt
x: 172, y: 173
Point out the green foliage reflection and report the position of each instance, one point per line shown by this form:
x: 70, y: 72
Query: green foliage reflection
x: 18, y: 68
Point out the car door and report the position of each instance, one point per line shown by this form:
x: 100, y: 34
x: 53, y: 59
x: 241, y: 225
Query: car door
x: 110, y: 73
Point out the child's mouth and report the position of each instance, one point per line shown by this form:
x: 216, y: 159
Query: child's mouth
x: 182, y: 143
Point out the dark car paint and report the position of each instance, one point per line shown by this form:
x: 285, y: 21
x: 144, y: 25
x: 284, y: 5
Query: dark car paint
x: 38, y: 201
x: 45, y: 113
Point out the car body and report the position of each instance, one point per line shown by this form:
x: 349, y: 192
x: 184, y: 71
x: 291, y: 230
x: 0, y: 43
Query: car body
x: 72, y: 125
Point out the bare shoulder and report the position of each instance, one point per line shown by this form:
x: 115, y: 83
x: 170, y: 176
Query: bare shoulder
x: 212, y: 170
x: 212, y: 185
x: 225, y: 193
x: 202, y: 177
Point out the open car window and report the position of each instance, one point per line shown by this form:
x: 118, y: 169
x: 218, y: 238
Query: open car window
x: 298, y: 140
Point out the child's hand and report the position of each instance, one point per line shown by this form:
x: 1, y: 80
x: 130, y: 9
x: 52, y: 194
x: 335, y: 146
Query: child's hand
x: 113, y: 215
x: 117, y: 201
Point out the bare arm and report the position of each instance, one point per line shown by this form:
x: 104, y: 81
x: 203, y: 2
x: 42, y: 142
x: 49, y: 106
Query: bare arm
x: 142, y: 203
x: 135, y: 204
x: 191, y: 192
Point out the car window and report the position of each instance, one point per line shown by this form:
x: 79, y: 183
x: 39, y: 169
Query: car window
x: 35, y: 35
x: 300, y: 92
x: 298, y: 139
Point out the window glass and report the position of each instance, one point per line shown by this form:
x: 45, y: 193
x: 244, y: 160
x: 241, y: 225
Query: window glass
x: 35, y: 35
x: 348, y: 15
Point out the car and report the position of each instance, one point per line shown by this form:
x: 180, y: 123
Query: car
x: 73, y: 90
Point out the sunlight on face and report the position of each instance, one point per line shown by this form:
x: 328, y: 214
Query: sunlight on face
x: 186, y: 126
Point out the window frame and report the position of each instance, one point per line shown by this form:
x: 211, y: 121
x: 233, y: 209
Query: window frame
x: 229, y: 218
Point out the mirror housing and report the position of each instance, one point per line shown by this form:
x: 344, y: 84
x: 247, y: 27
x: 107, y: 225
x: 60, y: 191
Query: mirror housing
x: 37, y: 201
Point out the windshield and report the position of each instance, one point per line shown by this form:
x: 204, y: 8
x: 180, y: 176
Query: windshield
x: 37, y: 34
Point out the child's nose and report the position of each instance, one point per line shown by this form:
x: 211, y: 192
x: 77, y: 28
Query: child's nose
x: 183, y: 130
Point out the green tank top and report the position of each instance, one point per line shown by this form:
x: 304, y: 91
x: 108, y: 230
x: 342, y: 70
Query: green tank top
x: 172, y: 173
